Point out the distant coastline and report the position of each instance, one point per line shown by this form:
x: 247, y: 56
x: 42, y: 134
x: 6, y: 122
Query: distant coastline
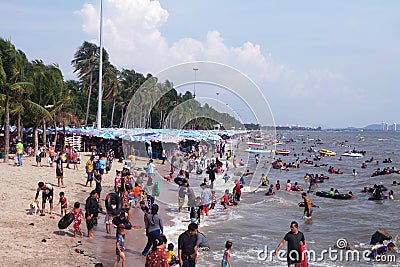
x: 372, y: 127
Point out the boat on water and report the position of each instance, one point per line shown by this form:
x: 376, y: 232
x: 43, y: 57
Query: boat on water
x: 326, y: 152
x: 282, y: 152
x: 258, y: 151
x: 352, y: 154
x: 254, y: 144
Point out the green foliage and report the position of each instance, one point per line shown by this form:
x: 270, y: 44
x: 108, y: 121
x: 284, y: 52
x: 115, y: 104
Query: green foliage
x: 38, y: 92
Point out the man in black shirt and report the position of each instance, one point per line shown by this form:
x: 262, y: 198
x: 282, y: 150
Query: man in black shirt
x: 92, y: 211
x: 294, y: 238
x: 59, y: 170
x: 187, y: 249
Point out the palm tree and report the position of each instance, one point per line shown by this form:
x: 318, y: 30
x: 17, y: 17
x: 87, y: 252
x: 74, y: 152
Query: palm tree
x: 111, y: 82
x: 12, y: 63
x: 48, y: 87
x: 84, y: 62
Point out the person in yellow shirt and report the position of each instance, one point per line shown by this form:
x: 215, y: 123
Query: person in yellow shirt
x: 89, y: 170
x: 172, y: 259
x: 20, y: 150
x: 307, y: 205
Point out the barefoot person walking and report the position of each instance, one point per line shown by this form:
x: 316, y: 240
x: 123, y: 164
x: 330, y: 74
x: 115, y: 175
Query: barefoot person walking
x: 294, y: 239
x: 60, y: 171
x: 92, y: 211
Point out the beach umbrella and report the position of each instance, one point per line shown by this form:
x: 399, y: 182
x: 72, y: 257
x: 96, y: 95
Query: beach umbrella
x: 107, y: 135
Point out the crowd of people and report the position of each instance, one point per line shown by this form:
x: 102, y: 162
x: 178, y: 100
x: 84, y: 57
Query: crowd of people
x: 136, y: 189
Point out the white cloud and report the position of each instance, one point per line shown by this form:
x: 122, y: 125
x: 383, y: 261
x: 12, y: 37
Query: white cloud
x: 133, y: 37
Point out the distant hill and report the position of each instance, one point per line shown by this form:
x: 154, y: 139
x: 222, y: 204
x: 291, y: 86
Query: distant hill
x: 373, y: 127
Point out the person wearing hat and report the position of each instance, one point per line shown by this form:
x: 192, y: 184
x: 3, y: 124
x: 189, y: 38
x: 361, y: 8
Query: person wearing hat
x: 92, y: 211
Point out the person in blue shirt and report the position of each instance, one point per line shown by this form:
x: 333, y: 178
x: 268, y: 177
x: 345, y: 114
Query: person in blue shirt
x: 382, y: 250
x: 120, y: 247
x: 242, y: 181
x: 271, y: 190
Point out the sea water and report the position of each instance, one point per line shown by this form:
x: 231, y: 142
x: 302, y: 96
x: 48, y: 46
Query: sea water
x: 259, y: 222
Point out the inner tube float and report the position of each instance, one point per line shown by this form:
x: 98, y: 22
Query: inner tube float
x: 370, y: 189
x: 199, y: 171
x: 66, y: 220
x: 113, y: 203
x: 296, y: 189
x: 334, y: 196
x: 378, y: 198
x: 126, y: 224
x: 180, y: 180
x: 335, y: 171
x: 301, y: 205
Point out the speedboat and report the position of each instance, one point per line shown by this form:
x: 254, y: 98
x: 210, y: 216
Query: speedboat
x: 352, y: 154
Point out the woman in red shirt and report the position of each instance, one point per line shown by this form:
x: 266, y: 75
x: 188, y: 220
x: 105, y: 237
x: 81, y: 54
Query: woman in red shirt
x: 157, y: 257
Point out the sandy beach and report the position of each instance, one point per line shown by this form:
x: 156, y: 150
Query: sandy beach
x: 33, y: 240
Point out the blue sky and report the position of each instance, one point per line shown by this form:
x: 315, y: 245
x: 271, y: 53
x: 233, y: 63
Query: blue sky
x: 330, y: 63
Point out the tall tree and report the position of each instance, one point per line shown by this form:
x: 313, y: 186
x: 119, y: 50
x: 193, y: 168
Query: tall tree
x: 11, y: 80
x: 84, y: 63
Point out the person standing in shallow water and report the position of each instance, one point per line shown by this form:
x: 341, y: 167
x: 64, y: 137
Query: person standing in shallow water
x: 294, y: 238
x: 307, y: 205
x: 187, y: 249
x: 154, y: 227
x: 92, y: 211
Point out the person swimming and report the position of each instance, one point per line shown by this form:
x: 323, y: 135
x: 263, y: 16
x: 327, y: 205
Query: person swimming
x: 271, y: 190
x: 288, y: 185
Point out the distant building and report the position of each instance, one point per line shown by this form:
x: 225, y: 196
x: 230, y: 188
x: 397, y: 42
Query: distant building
x: 384, y: 126
x: 394, y: 126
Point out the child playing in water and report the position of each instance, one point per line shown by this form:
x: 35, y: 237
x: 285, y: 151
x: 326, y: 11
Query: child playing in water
x: 120, y: 247
x: 213, y: 200
x: 226, y: 259
x: 108, y: 219
x: 172, y: 259
x: 194, y: 218
x: 288, y: 186
x: 63, y: 203
x: 225, y: 199
x: 78, y: 214
x: 278, y: 185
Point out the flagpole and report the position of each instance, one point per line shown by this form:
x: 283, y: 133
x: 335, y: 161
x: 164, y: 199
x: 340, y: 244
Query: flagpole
x: 100, y: 97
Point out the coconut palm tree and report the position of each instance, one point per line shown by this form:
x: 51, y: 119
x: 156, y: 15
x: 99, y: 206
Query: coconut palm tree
x: 84, y: 63
x: 12, y: 63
